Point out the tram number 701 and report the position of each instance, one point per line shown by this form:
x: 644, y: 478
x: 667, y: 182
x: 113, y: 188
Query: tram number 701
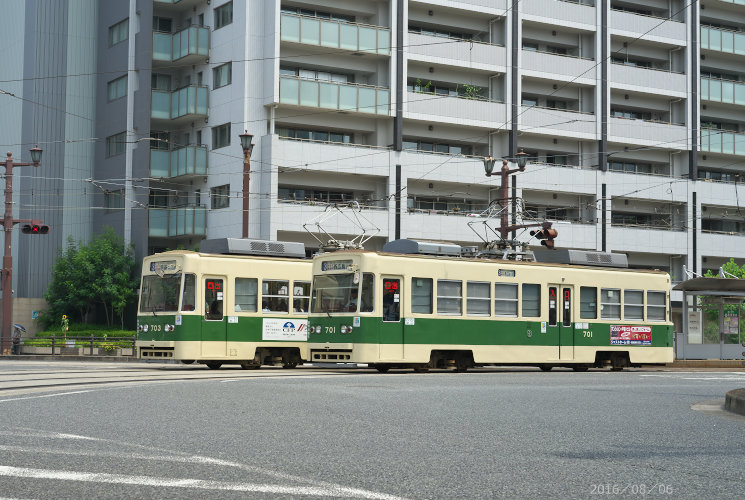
x: 330, y: 329
x: 587, y: 334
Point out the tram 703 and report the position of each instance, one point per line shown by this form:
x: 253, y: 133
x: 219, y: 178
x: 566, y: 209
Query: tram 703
x: 225, y: 309
x: 397, y: 310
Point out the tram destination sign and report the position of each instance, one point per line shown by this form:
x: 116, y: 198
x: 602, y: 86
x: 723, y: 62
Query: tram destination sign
x: 336, y: 265
x: 163, y: 266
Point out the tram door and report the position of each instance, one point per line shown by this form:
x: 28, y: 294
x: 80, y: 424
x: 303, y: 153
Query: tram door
x: 560, y: 320
x: 214, y: 327
x: 392, y: 326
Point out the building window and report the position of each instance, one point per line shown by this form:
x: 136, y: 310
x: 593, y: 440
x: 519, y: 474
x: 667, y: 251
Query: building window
x: 431, y: 147
x: 159, y: 81
x: 119, y: 32
x: 315, y: 135
x: 114, y: 199
x: 116, y: 144
x: 160, y: 140
x: 222, y: 75
x: 163, y: 24
x: 221, y: 136
x: 158, y: 198
x: 223, y: 15
x: 220, y: 196
x: 118, y: 88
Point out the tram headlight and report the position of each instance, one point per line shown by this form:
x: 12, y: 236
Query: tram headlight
x: 349, y: 329
x: 139, y: 328
x: 318, y: 328
x: 343, y: 328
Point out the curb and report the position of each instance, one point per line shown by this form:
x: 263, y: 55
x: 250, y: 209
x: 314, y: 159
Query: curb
x: 735, y: 401
x: 67, y: 357
x: 706, y: 363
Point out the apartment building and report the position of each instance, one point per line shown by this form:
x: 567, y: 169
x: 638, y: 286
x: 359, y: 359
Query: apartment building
x: 631, y: 113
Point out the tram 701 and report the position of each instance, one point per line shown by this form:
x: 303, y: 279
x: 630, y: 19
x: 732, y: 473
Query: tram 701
x: 222, y: 308
x: 410, y: 310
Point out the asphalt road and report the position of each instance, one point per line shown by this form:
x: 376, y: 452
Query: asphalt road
x: 77, y: 430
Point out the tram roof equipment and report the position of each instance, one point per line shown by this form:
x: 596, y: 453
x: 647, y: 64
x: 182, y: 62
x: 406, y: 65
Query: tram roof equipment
x: 582, y: 258
x: 243, y: 246
x: 407, y: 246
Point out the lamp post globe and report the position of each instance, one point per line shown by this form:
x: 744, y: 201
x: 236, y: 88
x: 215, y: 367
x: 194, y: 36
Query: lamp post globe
x: 36, y: 155
x: 246, y: 139
x: 488, y: 165
x: 522, y: 159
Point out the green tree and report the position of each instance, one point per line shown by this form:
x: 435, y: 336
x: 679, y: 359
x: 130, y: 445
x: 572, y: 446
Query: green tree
x: 103, y: 272
x: 729, y: 267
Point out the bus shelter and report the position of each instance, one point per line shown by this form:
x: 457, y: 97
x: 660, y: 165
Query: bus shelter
x: 713, y: 319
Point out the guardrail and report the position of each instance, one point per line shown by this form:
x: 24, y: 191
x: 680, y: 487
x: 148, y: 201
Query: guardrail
x: 84, y: 345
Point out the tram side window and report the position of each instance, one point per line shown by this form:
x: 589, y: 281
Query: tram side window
x: 275, y: 296
x: 391, y: 300
x: 477, y: 298
x: 588, y: 302
x: 300, y: 296
x: 656, y: 309
x: 633, y: 304
x: 246, y: 294
x: 421, y: 295
x: 213, y: 299
x: 367, y: 298
x: 531, y: 300
x: 567, y: 305
x: 552, y: 306
x: 610, y: 303
x: 450, y: 297
x: 189, y: 297
x: 505, y: 299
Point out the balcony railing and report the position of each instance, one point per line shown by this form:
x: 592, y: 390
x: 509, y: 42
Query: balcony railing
x: 332, y: 95
x: 180, y: 221
x: 186, y: 101
x: 335, y: 34
x: 188, y: 160
x: 192, y: 41
x: 722, y: 40
x: 722, y: 141
x: 737, y: 2
x: 726, y: 91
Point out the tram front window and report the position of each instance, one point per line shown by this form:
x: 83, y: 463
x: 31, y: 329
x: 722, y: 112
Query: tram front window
x: 160, y: 294
x: 334, y: 293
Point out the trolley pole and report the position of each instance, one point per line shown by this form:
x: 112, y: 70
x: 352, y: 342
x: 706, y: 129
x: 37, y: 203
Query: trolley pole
x: 8, y: 222
x: 247, y: 149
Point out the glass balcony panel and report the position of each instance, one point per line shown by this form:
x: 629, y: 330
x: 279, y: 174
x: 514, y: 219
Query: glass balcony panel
x: 384, y: 46
x: 347, y: 98
x: 348, y: 36
x: 192, y: 33
x: 384, y: 100
x: 715, y: 90
x: 330, y: 34
x: 740, y: 43
x: 705, y: 89
x: 329, y: 96
x: 200, y: 160
x: 368, y: 39
x: 161, y: 104
x: 310, y: 31
x: 728, y: 92
x: 175, y: 47
x: 158, y: 221
x: 715, y: 141
x: 200, y: 221
x: 704, y: 37
x: 204, y: 41
x: 201, y: 100
x: 289, y: 89
x: 739, y: 93
x: 289, y: 28
x: 173, y: 223
x: 739, y: 144
x: 308, y: 93
x: 178, y: 162
x: 728, y: 41
x: 158, y: 163
x: 161, y: 47
x: 715, y: 39
x: 728, y: 143
x: 367, y: 97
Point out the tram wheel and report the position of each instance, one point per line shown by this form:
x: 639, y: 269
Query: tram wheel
x: 580, y: 368
x: 213, y: 365
x: 187, y: 361
x: 421, y: 369
x: 461, y: 362
x: 289, y: 365
x: 249, y: 365
x: 545, y: 368
x: 382, y: 368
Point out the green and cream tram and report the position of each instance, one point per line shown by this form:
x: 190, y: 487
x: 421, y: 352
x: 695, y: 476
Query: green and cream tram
x: 218, y: 309
x: 402, y: 310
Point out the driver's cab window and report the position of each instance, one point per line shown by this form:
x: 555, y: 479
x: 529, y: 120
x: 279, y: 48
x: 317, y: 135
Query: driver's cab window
x: 189, y: 297
x: 213, y: 299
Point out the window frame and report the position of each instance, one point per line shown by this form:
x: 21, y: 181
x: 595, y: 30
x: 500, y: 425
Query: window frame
x: 281, y: 296
x: 217, y: 194
x: 594, y: 303
x: 116, y: 29
x: 116, y: 85
x: 218, y: 15
x: 603, y: 314
x: 522, y: 299
x: 513, y: 302
x: 663, y: 306
x: 451, y: 298
x: 626, y: 304
x: 414, y: 306
x: 238, y: 306
x: 478, y: 299
x: 217, y: 73
x: 219, y: 132
x: 306, y: 298
x: 116, y: 142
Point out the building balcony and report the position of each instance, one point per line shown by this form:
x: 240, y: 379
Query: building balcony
x: 725, y: 91
x: 647, y: 240
x: 455, y: 52
x: 186, y: 161
x: 187, y: 103
x: 543, y: 64
x: 457, y: 110
x: 537, y: 120
x: 563, y: 12
x: 328, y: 33
x: 647, y: 27
x: 291, y: 215
x: 176, y: 5
x: 177, y: 222
x: 720, y: 245
x: 667, y: 135
x: 491, y: 6
x: 648, y: 80
x: 721, y: 40
x: 188, y: 46
x: 331, y: 95
x: 722, y: 141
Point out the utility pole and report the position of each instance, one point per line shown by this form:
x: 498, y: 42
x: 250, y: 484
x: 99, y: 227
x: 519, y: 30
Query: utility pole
x: 8, y: 222
x: 248, y: 147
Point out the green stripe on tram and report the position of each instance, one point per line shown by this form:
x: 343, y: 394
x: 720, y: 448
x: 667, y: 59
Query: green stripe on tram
x: 247, y: 329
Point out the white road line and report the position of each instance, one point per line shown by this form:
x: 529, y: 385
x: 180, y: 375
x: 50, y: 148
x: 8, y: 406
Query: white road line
x: 165, y: 482
x: 47, y: 395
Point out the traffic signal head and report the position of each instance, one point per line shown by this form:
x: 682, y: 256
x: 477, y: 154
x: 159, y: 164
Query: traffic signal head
x: 546, y: 236
x: 35, y: 229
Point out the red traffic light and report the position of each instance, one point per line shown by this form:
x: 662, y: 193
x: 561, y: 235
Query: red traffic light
x: 35, y: 229
x: 546, y: 236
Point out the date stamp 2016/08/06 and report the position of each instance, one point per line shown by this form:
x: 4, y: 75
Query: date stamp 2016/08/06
x: 631, y: 489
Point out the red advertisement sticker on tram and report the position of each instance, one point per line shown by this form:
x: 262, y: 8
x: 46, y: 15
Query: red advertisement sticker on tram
x: 630, y: 335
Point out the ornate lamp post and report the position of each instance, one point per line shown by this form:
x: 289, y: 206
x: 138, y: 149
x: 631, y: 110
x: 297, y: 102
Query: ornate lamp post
x: 8, y: 222
x: 522, y: 161
x: 248, y: 147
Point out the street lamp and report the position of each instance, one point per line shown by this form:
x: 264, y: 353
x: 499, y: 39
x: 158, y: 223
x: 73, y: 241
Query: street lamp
x: 248, y: 147
x: 521, y: 159
x: 8, y: 222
